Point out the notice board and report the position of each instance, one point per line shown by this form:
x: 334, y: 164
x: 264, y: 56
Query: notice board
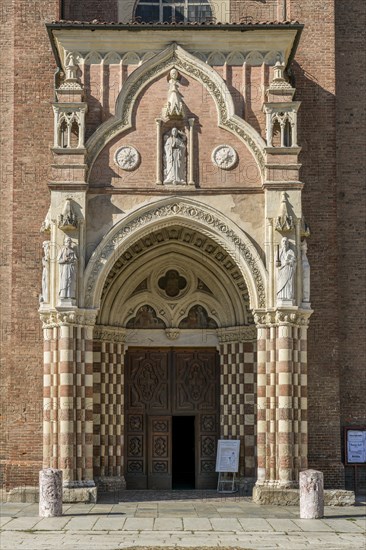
x: 227, y: 459
x: 355, y: 445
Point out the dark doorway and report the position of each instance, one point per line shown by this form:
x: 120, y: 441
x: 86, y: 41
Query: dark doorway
x: 183, y: 459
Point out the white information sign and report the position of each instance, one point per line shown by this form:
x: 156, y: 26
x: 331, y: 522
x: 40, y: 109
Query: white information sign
x: 356, y: 446
x: 227, y: 459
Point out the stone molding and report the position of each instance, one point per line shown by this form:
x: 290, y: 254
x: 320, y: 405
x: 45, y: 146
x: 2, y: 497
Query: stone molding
x: 175, y: 57
x: 51, y: 319
x: 279, y: 317
x: 109, y: 334
x: 211, y: 224
x: 237, y: 334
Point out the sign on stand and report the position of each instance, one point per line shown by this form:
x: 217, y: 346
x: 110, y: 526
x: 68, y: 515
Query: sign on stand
x: 227, y: 464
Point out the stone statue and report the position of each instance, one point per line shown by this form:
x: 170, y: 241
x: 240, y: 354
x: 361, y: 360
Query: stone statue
x: 175, y: 157
x: 45, y: 272
x: 175, y: 105
x: 286, y: 269
x: 67, y: 261
x: 305, y: 273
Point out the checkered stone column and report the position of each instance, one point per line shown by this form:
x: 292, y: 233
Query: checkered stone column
x: 237, y: 392
x: 108, y: 375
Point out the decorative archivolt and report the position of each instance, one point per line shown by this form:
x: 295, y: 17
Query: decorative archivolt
x: 175, y: 56
x: 219, y: 295
x: 186, y: 213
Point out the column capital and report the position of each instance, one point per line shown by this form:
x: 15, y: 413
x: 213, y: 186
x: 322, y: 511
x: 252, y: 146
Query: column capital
x: 61, y: 317
x: 282, y: 316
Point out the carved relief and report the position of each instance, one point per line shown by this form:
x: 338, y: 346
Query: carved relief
x: 147, y: 381
x: 208, y: 446
x: 135, y: 422
x: 127, y: 157
x: 135, y: 466
x: 160, y: 467
x: 160, y: 446
x: 208, y: 423
x: 160, y: 426
x: 284, y: 220
x: 224, y: 156
x: 207, y: 466
x: 135, y: 446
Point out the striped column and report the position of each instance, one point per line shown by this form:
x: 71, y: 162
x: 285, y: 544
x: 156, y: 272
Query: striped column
x: 67, y: 391
x: 281, y: 396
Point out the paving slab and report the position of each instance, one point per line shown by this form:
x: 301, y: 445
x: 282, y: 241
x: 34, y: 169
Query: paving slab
x: 109, y: 523
x: 139, y: 524
x: 283, y: 525
x: 315, y: 525
x: 81, y: 523
x: 52, y: 524
x: 22, y: 523
x: 225, y: 524
x: 168, y: 524
x: 196, y: 524
x: 345, y: 526
x: 255, y: 524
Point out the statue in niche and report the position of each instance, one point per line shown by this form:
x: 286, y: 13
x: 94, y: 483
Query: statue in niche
x: 286, y: 269
x: 305, y: 273
x: 67, y: 261
x: 172, y: 283
x: 175, y: 105
x: 45, y: 272
x: 175, y: 157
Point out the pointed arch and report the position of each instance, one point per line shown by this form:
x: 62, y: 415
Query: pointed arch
x: 175, y: 56
x: 188, y: 213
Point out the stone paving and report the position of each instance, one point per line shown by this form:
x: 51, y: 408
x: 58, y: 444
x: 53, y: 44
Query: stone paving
x: 178, y: 519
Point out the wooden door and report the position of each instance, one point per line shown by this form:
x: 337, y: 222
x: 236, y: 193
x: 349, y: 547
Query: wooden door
x: 161, y: 383
x: 147, y: 393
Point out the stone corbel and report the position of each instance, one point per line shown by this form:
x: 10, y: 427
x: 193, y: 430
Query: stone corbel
x: 68, y: 220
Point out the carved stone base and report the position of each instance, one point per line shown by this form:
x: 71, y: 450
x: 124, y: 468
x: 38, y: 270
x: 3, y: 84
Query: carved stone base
x: 291, y: 497
x: 110, y: 484
x: 50, y: 493
x: 311, y: 494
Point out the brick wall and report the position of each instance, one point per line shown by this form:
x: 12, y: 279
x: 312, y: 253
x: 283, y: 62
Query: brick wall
x: 27, y: 90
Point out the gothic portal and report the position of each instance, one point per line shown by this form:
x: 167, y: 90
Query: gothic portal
x: 179, y: 296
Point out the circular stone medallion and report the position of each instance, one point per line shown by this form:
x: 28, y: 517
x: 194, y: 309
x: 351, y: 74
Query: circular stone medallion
x: 127, y: 157
x: 224, y: 156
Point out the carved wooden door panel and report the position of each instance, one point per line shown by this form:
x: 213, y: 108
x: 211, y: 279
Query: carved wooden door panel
x: 196, y: 391
x: 161, y: 383
x: 147, y: 377
x: 160, y: 452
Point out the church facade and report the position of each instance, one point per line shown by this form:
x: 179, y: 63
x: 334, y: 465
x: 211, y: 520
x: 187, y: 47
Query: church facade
x: 185, y: 180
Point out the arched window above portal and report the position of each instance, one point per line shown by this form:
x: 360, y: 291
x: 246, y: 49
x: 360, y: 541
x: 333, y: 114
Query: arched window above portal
x: 173, y: 11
